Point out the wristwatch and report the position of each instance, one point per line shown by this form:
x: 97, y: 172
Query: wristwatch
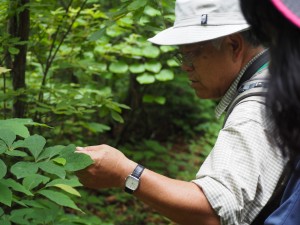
x: 133, y: 180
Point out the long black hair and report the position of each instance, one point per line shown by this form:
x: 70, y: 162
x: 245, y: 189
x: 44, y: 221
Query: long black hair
x: 283, y: 97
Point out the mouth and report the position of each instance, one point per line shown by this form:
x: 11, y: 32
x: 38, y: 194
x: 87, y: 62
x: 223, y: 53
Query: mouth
x: 194, y: 84
x: 193, y: 81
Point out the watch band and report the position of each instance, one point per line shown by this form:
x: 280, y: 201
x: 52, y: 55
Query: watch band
x: 137, y: 172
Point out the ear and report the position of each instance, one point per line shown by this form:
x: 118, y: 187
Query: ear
x: 236, y: 45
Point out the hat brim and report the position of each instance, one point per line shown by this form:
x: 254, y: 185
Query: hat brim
x: 194, y: 34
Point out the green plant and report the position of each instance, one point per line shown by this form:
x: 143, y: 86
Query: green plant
x: 92, y: 75
x: 36, y: 181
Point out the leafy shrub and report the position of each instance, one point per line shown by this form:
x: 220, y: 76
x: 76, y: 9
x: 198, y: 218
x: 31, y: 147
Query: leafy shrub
x: 36, y: 182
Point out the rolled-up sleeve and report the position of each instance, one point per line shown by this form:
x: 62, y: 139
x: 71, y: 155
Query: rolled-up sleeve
x: 242, y: 170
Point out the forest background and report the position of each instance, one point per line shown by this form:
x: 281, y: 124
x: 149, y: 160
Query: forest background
x: 81, y: 72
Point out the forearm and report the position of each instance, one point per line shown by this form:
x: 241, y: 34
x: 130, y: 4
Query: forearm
x: 180, y: 201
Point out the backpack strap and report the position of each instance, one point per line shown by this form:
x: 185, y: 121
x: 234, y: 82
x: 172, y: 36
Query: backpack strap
x: 254, y: 67
x: 275, y: 200
x: 252, y: 83
x: 256, y: 85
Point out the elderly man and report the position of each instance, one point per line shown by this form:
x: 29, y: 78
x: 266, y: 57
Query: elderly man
x: 218, y: 51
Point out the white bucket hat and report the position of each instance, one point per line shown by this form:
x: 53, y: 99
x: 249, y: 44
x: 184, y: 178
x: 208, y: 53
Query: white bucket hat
x: 202, y: 20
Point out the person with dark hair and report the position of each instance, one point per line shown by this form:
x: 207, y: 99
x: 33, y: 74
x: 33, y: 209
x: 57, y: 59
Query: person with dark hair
x: 277, y: 24
x: 219, y: 53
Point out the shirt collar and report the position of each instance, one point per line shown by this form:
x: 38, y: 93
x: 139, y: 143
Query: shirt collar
x: 231, y: 92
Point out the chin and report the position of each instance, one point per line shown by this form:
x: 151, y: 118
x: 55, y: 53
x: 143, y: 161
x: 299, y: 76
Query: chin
x: 207, y: 96
x: 201, y: 93
x: 202, y: 96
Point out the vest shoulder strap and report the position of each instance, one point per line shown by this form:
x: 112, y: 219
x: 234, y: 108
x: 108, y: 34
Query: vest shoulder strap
x: 256, y: 86
x: 252, y: 83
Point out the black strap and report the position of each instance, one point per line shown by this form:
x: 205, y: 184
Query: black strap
x: 137, y: 172
x: 274, y: 201
x: 250, y: 84
x: 254, y: 67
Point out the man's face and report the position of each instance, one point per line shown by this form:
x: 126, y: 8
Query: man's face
x: 211, y: 70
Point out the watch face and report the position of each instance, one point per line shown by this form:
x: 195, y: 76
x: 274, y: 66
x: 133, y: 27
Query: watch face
x: 132, y: 183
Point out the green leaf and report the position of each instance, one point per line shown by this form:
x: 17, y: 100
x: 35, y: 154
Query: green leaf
x: 168, y: 48
x: 152, y: 12
x: 67, y: 150
x: 16, y: 153
x: 4, y: 70
x: 97, y: 35
x: 3, y: 147
x: 148, y: 98
x: 20, y: 216
x: 60, y: 161
x: 160, y: 100
x: 172, y: 63
x: 33, y: 203
x: 96, y: 127
x: 7, y: 136
x: 145, y: 78
x: 19, y: 202
x: 35, y: 144
x: 4, y: 220
x: 154, y: 67
x: 17, y: 126
x: 117, y: 117
x: 157, y: 99
x: 165, y: 75
x: 51, y: 168
x: 18, y: 144
x: 6, y: 195
x: 151, y: 51
x: 32, y: 215
x: 77, y: 161
x: 24, y: 169
x: 118, y: 67
x: 68, y: 189
x: 16, y: 186
x: 59, y: 199
x: 3, y: 169
x: 137, y: 68
x: 32, y: 181
x: 72, y: 182
x: 137, y: 4
x: 13, y: 51
x: 113, y: 106
x: 50, y: 152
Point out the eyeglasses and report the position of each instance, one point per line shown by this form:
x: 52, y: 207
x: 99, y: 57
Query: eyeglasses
x: 188, y: 58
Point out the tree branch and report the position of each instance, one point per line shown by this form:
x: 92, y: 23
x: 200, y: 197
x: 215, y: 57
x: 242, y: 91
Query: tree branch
x: 52, y: 57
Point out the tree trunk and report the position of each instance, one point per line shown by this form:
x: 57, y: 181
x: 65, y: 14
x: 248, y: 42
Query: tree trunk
x: 18, y: 26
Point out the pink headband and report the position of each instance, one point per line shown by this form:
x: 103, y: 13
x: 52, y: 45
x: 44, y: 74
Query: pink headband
x: 290, y: 9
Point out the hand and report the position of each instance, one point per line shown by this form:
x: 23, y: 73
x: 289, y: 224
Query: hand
x: 110, y: 167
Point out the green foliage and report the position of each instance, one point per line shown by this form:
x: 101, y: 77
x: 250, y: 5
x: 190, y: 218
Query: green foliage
x: 92, y: 77
x: 83, y: 58
x: 34, y: 176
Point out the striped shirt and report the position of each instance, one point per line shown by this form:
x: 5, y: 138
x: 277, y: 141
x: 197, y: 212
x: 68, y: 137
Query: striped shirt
x: 241, y: 172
